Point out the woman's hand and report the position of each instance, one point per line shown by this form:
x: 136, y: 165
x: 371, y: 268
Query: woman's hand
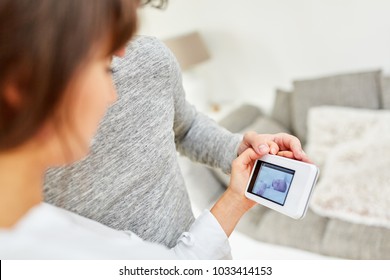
x: 233, y: 203
x: 281, y: 144
x: 241, y: 170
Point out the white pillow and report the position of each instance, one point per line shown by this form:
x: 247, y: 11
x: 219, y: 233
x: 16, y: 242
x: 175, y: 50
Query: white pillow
x: 352, y: 149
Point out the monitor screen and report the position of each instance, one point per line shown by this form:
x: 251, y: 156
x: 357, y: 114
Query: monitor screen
x: 271, y: 182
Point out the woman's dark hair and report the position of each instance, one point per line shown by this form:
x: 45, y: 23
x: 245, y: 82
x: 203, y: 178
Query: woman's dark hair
x: 159, y: 4
x: 42, y: 43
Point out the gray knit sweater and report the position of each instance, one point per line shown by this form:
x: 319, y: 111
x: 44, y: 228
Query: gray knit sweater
x: 132, y: 180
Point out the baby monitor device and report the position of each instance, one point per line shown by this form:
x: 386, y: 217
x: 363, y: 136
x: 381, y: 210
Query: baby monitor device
x: 282, y: 184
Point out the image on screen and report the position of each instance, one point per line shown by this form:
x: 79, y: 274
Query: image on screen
x: 272, y: 182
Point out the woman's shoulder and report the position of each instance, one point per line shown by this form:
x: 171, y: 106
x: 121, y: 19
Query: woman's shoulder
x: 147, y: 54
x: 148, y: 46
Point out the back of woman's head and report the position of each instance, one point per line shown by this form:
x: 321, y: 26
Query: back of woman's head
x: 42, y: 44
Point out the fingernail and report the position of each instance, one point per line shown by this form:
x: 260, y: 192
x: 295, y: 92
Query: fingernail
x: 263, y: 149
x: 273, y: 151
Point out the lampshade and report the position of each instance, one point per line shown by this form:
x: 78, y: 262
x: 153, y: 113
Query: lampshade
x: 189, y: 49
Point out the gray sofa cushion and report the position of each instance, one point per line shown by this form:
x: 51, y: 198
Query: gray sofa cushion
x: 240, y: 118
x: 359, y: 90
x: 306, y: 234
x: 317, y: 234
x: 356, y: 241
x: 265, y: 125
x: 281, y: 111
x: 385, y: 100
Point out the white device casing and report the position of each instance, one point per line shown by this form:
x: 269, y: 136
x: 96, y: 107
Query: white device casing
x: 299, y: 192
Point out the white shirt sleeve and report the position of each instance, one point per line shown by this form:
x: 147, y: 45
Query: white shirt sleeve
x: 205, y: 240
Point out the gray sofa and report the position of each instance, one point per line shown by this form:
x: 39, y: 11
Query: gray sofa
x: 315, y: 233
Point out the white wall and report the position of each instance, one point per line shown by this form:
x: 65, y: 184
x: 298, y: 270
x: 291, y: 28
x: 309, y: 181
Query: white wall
x: 258, y: 45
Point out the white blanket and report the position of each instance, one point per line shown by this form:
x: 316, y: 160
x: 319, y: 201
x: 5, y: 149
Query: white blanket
x: 352, y: 149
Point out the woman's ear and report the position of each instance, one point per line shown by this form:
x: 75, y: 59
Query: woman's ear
x: 121, y: 52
